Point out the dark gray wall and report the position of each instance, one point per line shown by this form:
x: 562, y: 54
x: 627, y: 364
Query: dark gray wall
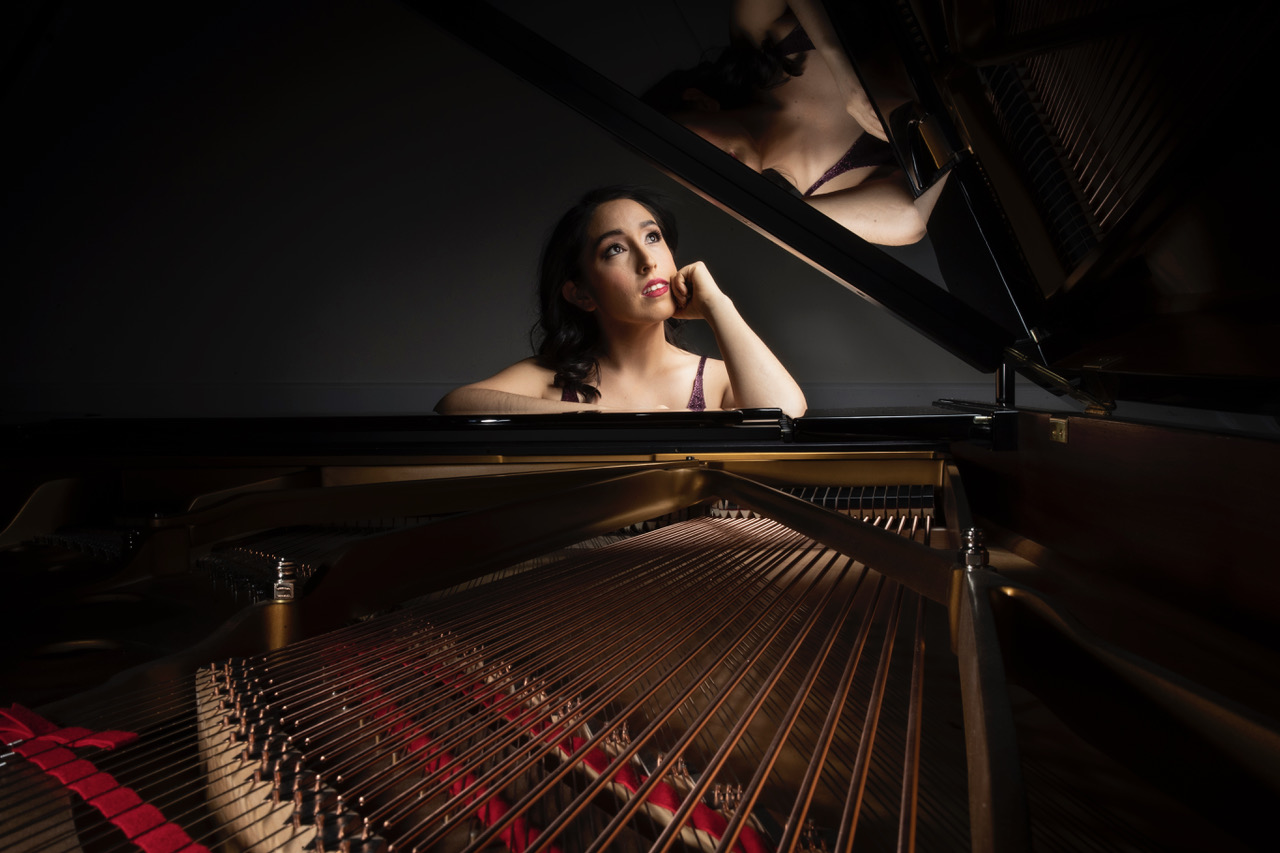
x: 273, y: 208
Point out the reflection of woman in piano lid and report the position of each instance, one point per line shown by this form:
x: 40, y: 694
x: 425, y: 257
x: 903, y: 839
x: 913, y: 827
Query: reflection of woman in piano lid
x: 784, y: 100
x: 608, y: 288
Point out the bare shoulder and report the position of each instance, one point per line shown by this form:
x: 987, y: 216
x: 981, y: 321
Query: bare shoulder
x: 716, y: 389
x: 526, y: 377
x: 523, y: 387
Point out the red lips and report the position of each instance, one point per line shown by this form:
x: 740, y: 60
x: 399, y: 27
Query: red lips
x: 654, y: 289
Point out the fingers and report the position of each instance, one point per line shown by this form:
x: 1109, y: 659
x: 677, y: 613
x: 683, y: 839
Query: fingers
x: 699, y: 280
x: 680, y: 290
x: 693, y: 289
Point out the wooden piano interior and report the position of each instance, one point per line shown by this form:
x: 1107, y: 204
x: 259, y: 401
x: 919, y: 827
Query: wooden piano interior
x: 728, y: 650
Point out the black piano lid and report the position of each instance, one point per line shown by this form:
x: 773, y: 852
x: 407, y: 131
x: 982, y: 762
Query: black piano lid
x: 1163, y: 295
x: 25, y: 441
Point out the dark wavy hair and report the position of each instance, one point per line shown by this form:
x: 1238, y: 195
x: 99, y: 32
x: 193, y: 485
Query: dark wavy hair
x: 567, y: 338
x: 735, y: 78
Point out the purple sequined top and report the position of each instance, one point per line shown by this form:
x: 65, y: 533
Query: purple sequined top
x: 867, y: 151
x: 697, y: 401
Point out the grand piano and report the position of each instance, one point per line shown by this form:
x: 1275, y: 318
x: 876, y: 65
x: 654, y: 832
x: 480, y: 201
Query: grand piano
x: 977, y: 625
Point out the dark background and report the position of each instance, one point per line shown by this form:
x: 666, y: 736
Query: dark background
x: 266, y: 208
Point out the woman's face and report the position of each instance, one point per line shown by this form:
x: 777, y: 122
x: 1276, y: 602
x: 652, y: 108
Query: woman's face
x: 627, y: 265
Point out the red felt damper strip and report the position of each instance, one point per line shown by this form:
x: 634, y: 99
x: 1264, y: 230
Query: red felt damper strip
x: 702, y: 818
x: 491, y: 808
x: 19, y: 723
x: 45, y: 745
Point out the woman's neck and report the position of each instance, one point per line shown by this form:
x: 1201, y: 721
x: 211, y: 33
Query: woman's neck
x: 636, y: 350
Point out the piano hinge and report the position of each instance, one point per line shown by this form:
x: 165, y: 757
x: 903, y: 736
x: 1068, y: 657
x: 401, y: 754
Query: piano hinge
x: 1057, y: 384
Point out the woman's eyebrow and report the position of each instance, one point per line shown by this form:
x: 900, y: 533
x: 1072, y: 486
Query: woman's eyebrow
x: 617, y: 232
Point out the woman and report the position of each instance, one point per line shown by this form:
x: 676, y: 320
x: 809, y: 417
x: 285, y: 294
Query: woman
x: 608, y: 287
x: 784, y: 100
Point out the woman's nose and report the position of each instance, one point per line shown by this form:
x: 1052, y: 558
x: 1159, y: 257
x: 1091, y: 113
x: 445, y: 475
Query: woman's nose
x: 647, y: 260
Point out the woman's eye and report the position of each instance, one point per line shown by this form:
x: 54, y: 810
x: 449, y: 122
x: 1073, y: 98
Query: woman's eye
x: 653, y: 237
x: 612, y: 250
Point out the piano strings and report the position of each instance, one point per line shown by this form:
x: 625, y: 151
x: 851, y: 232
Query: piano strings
x: 694, y: 687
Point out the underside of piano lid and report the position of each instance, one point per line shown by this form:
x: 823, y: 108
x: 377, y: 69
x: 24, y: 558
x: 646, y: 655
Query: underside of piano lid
x: 1103, y: 229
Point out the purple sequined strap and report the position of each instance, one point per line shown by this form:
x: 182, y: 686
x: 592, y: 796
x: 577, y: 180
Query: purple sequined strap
x: 867, y: 151
x: 698, y: 403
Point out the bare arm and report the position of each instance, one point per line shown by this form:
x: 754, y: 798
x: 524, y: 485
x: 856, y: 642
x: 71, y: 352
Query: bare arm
x: 880, y: 211
x: 473, y: 400
x: 522, y: 388
x: 753, y: 19
x: 756, y: 378
x: 817, y: 25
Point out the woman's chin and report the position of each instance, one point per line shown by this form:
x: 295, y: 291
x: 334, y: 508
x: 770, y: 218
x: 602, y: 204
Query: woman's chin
x: 662, y: 308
